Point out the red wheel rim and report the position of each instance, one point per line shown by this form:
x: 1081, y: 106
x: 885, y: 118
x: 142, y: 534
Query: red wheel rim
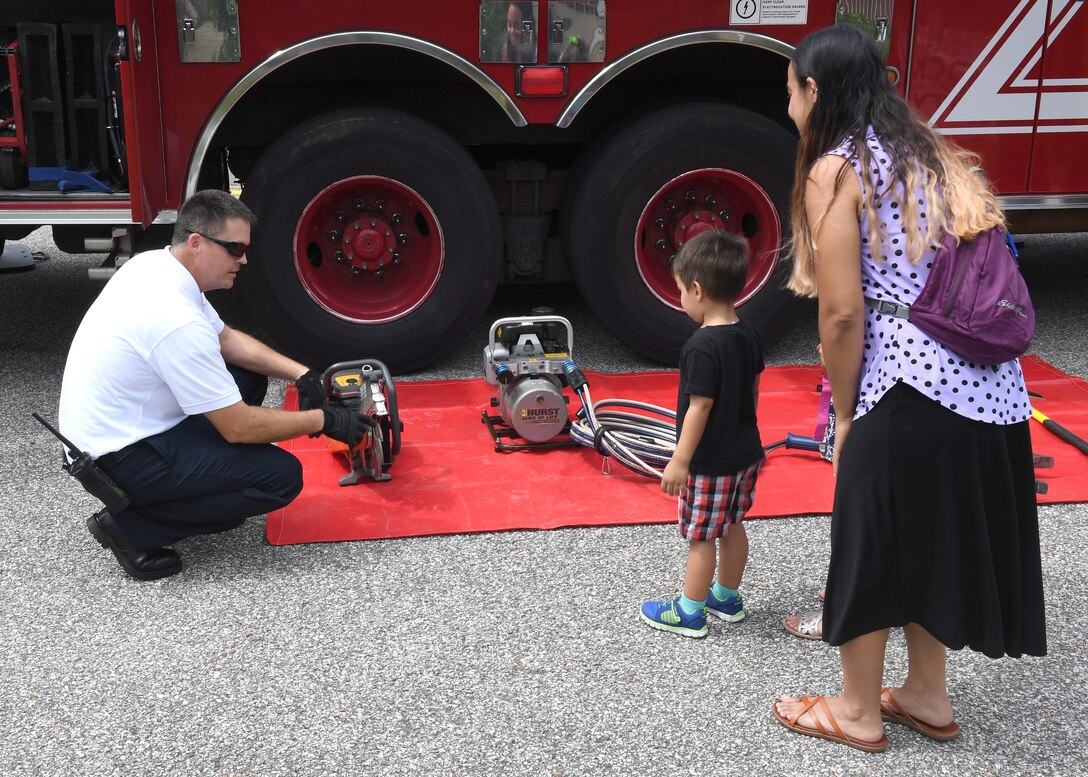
x: 708, y: 198
x: 369, y: 249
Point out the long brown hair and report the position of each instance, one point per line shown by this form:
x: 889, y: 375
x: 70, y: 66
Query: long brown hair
x: 854, y: 94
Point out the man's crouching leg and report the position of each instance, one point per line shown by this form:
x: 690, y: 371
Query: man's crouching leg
x: 186, y: 482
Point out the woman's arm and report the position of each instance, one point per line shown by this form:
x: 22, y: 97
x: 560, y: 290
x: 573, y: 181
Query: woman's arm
x: 837, y: 263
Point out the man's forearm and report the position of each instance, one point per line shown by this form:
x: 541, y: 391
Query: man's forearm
x: 248, y: 352
x: 242, y: 423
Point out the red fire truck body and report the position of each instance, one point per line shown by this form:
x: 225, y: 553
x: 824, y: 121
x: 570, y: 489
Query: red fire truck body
x: 406, y: 159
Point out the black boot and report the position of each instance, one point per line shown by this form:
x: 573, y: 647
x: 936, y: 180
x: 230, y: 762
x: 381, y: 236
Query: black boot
x: 147, y: 564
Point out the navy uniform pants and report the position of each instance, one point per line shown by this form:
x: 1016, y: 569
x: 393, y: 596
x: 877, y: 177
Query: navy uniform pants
x: 188, y: 480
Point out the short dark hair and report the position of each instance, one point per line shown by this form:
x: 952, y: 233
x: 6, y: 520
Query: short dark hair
x: 718, y: 260
x: 207, y: 211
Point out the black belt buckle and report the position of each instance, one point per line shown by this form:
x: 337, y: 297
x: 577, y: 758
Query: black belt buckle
x: 888, y: 308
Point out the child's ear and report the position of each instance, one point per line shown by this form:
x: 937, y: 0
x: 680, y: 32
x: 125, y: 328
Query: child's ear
x: 697, y: 290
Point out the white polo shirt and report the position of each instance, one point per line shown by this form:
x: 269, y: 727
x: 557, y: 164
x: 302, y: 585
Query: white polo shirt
x: 145, y: 356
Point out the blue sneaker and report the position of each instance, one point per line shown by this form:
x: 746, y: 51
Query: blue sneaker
x: 670, y: 616
x: 731, y: 609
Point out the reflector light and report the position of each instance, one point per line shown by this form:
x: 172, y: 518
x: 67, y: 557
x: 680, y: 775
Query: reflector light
x: 542, y: 81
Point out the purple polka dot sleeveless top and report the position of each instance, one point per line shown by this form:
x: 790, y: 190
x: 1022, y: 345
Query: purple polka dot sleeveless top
x: 895, y: 349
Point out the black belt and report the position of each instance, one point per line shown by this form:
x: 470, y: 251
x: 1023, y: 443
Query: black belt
x: 111, y: 460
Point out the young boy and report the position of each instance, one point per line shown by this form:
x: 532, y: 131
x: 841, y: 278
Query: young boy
x: 718, y: 450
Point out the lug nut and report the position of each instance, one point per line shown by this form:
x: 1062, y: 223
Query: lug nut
x: 334, y: 236
x: 339, y: 256
x: 659, y: 223
x: 689, y: 195
x: 710, y: 200
x: 396, y: 258
x: 402, y: 238
x: 341, y: 216
x: 379, y: 205
x: 356, y: 271
x: 670, y: 205
x: 396, y: 218
x: 358, y: 203
x: 660, y: 245
x: 723, y: 215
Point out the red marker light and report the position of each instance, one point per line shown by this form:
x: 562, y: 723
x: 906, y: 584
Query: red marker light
x: 545, y: 81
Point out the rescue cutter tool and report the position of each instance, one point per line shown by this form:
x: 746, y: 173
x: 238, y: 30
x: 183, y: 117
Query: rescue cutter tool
x: 366, y: 387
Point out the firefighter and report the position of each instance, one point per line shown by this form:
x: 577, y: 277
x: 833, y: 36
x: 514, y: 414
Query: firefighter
x: 168, y: 399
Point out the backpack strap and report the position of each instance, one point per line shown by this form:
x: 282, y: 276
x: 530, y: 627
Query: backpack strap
x: 888, y: 308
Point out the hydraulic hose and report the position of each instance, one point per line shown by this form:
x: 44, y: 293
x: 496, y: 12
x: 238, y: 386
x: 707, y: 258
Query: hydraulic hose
x: 640, y: 436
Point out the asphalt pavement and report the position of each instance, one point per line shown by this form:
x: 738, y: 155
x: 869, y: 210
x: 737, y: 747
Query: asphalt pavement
x: 515, y: 653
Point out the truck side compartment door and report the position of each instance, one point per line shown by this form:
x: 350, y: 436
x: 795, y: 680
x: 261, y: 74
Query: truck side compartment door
x: 143, y: 110
x: 1058, y: 67
x: 964, y: 80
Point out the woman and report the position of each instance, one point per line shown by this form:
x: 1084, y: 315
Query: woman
x: 934, y: 526
x: 513, y: 49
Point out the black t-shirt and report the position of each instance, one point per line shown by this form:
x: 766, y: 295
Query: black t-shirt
x: 722, y: 362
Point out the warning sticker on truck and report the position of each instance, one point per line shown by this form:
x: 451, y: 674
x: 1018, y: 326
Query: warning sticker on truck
x: 768, y: 11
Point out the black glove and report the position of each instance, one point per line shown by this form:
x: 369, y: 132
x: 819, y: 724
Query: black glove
x: 344, y: 425
x: 311, y: 390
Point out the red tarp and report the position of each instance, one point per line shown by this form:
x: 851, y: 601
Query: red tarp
x: 449, y: 478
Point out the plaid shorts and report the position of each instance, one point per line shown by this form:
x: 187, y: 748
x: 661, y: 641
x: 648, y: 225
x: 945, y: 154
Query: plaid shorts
x: 712, y: 503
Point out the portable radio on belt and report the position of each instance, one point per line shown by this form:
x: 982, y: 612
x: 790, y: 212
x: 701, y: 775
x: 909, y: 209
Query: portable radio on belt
x: 92, y: 477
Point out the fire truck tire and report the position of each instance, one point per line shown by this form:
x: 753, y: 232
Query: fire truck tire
x: 16, y: 231
x: 12, y: 170
x: 666, y: 176
x: 378, y: 237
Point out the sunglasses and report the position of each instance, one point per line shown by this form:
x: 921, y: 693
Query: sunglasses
x: 233, y: 247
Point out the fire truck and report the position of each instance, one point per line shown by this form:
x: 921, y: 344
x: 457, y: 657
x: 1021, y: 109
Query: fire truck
x: 405, y: 159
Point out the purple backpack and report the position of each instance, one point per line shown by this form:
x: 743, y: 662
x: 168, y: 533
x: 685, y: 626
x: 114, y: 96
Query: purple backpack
x: 975, y: 301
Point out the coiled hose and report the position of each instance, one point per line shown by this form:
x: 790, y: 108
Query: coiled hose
x: 640, y: 436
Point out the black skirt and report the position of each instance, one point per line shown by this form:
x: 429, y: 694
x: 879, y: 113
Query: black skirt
x: 935, y: 523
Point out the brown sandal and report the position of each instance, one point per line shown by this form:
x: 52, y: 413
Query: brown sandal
x: 821, y: 732
x: 893, y: 713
